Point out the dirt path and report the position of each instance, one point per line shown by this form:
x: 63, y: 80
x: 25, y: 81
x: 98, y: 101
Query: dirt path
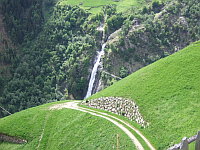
x: 73, y: 105
x: 112, y: 75
x: 137, y: 131
x: 42, y: 131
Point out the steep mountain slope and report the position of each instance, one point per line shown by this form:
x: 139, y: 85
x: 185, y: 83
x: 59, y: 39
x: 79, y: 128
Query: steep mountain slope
x: 151, y: 34
x: 51, y: 61
x: 57, y: 43
x: 167, y: 93
x: 57, y: 51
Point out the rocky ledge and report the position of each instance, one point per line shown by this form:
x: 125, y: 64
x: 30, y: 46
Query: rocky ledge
x: 12, y: 139
x: 118, y: 105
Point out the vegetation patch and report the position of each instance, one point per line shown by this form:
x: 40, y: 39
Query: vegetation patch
x: 122, y: 5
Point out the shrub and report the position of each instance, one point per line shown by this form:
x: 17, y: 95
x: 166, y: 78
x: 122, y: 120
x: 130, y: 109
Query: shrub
x: 123, y: 72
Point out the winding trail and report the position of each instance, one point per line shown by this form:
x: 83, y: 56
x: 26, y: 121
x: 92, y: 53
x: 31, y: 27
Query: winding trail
x: 112, y: 75
x: 74, y: 105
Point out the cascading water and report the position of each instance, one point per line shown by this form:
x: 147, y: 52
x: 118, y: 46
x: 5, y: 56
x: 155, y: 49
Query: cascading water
x: 94, y: 72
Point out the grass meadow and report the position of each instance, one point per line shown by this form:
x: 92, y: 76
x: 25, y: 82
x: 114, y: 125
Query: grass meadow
x: 64, y: 129
x: 95, y: 6
x: 122, y: 5
x: 167, y: 93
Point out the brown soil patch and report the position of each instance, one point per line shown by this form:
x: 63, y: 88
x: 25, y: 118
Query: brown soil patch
x: 12, y: 139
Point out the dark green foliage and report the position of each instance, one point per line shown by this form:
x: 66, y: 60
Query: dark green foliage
x: 48, y: 2
x: 144, y: 10
x: 97, y: 17
x: 22, y: 18
x: 98, y: 34
x: 9, y: 56
x: 193, y: 35
x: 121, y: 41
x: 1, y: 83
x: 110, y: 9
x: 123, y: 72
x: 113, y: 48
x: 115, y: 21
x: 73, y: 21
x: 126, y: 26
x: 136, y: 58
x: 58, y: 59
x: 106, y: 29
x: 155, y: 4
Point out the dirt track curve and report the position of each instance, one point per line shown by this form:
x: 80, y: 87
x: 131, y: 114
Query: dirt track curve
x: 73, y: 105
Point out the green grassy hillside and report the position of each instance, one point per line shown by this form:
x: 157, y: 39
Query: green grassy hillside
x: 122, y: 5
x: 96, y: 6
x: 64, y: 129
x: 167, y: 93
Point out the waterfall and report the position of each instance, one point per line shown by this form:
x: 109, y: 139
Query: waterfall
x: 94, y: 72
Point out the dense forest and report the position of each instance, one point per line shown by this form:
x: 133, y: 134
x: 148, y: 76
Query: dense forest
x: 23, y: 19
x: 51, y: 56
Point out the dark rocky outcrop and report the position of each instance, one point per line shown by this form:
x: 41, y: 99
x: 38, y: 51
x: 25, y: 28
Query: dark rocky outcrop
x: 11, y: 139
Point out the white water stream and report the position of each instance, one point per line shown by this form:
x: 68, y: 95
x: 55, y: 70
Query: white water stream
x: 94, y: 72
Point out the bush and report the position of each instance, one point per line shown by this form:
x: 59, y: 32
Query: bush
x: 123, y: 72
x: 121, y: 41
x: 106, y: 29
x: 113, y: 48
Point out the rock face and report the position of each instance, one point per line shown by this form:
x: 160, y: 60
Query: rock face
x: 120, y: 106
x: 96, y: 84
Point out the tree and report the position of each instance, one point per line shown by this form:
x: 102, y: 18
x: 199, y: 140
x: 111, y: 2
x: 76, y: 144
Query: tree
x: 155, y: 4
x: 109, y: 12
x: 73, y: 21
x: 48, y: 2
x: 74, y: 89
x: 144, y: 10
x: 123, y: 72
x: 106, y: 29
x: 193, y: 35
x: 121, y: 41
x: 110, y: 23
x: 113, y: 48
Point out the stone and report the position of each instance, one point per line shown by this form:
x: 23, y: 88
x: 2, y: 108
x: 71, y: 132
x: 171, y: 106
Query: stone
x: 118, y: 105
x: 184, y: 144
